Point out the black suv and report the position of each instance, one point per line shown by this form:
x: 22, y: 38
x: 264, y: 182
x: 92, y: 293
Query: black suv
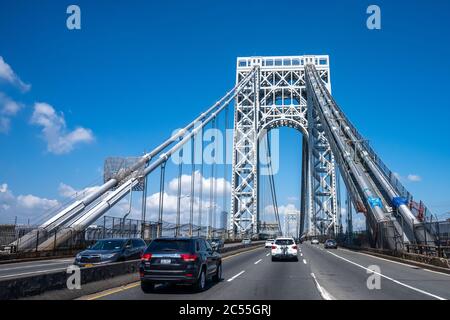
x: 179, y: 260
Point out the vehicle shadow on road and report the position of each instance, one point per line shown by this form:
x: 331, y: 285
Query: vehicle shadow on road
x: 181, y: 289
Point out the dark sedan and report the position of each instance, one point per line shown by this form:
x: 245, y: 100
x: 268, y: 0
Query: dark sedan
x: 179, y: 261
x: 330, y: 244
x: 111, y: 250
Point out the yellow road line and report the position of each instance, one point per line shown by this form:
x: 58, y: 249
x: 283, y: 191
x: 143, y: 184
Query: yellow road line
x: 111, y: 291
x: 136, y: 284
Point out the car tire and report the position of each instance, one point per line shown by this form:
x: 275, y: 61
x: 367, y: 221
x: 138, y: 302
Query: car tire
x: 273, y: 259
x: 218, y: 276
x: 147, y: 287
x: 296, y: 258
x: 200, y: 285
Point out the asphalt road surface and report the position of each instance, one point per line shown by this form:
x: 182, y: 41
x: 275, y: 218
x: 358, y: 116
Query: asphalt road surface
x: 18, y: 269
x: 319, y: 274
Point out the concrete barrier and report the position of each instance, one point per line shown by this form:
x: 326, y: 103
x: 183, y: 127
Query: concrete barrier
x: 103, y: 275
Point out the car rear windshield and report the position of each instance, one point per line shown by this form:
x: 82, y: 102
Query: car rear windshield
x: 331, y: 241
x: 284, y: 242
x: 108, y: 245
x: 170, y: 245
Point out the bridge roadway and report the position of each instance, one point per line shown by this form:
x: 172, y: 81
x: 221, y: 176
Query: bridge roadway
x: 319, y: 274
x: 17, y: 269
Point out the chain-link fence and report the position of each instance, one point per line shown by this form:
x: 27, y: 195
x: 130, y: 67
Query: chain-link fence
x: 385, y: 233
x: 12, y: 240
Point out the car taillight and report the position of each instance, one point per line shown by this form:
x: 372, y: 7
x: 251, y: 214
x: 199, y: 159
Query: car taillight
x: 187, y: 257
x: 294, y: 247
x: 274, y: 247
x: 146, y: 257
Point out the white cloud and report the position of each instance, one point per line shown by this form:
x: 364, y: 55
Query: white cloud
x: 23, y: 206
x: 292, y: 199
x: 5, y: 124
x: 33, y: 202
x: 220, y: 184
x: 8, y: 75
x: 8, y: 108
x: 54, y: 130
x: 67, y: 191
x: 414, y: 178
x: 3, y: 188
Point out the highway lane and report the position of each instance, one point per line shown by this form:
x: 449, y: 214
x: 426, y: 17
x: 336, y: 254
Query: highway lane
x: 17, y: 269
x: 319, y: 274
x: 248, y: 275
x: 342, y: 272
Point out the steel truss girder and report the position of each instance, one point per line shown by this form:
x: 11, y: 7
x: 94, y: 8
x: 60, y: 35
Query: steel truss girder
x: 276, y: 97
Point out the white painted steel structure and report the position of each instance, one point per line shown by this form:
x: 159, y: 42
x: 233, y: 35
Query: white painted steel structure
x: 270, y: 92
x: 275, y: 97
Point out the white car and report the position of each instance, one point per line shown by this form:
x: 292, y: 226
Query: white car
x: 269, y: 243
x: 314, y: 241
x: 284, y: 248
x: 246, y: 241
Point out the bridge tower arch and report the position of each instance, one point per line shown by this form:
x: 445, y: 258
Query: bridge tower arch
x: 276, y: 96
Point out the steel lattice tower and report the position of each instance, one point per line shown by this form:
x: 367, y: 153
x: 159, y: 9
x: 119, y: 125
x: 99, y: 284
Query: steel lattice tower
x: 275, y: 97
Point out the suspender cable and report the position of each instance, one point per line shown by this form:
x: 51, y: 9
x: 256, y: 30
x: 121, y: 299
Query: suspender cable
x: 180, y: 173
x: 211, y: 189
x: 92, y: 214
x: 78, y: 206
x: 200, y: 192
x: 215, y: 207
x: 272, y: 184
x: 161, y: 199
x: 192, y: 195
x: 224, y: 196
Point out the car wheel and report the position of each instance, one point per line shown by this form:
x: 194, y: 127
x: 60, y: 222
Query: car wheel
x: 273, y: 259
x: 147, y: 287
x: 296, y: 258
x: 201, y: 282
x: 218, y: 276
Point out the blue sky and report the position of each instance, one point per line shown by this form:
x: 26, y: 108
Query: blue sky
x: 139, y: 69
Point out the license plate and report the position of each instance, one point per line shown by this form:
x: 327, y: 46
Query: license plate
x: 165, y: 261
x: 89, y: 265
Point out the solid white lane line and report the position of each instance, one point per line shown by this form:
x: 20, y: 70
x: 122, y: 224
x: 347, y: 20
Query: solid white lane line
x: 324, y: 293
x: 304, y: 261
x: 235, y: 276
x: 389, y: 278
x: 258, y: 261
x: 396, y: 262
x: 33, y: 272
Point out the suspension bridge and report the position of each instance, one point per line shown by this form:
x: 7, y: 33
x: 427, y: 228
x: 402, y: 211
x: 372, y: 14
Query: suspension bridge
x: 269, y: 93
